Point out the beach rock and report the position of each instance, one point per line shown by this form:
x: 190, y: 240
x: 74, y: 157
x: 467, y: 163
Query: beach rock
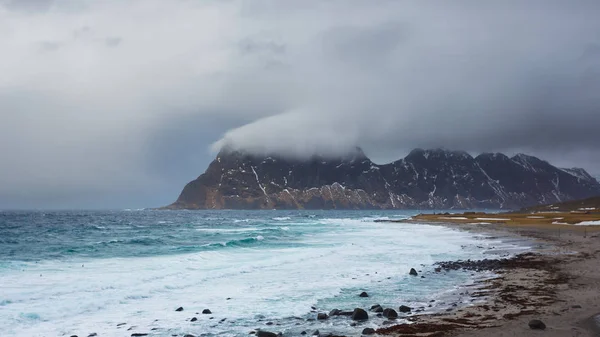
x: 93, y: 334
x: 261, y: 333
x: 322, y: 316
x: 390, y: 313
x: 536, y: 324
x: 335, y: 312
x: 121, y: 324
x: 377, y: 308
x: 206, y: 312
x: 303, y: 333
x: 188, y: 335
x: 179, y: 309
x: 316, y: 333
x: 346, y: 313
x: 576, y: 306
x: 193, y: 319
x: 269, y: 323
x: 404, y: 309
x: 413, y: 272
x: 368, y: 331
x: 363, y: 294
x: 139, y: 334
x: 359, y: 315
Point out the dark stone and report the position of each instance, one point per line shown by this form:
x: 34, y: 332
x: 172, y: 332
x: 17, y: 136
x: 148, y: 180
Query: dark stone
x: 322, y: 316
x: 390, y: 313
x: 346, y: 313
x: 222, y: 320
x: 179, y: 309
x: 404, y: 309
x: 377, y: 308
x: 413, y: 272
x: 188, y: 335
x: 194, y: 319
x: 139, y: 334
x: 335, y: 312
x: 206, y: 312
x: 576, y: 306
x: 121, y: 324
x: 359, y: 315
x: 316, y: 333
x: 536, y: 324
x: 368, y: 331
x: 93, y: 334
x: 313, y: 308
x: 269, y: 323
x: 363, y: 294
x: 303, y: 333
x: 261, y: 333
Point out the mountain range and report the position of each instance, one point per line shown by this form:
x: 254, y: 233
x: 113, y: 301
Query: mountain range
x: 424, y: 179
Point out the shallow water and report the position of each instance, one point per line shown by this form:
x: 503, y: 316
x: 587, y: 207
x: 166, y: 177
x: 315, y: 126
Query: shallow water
x: 65, y: 273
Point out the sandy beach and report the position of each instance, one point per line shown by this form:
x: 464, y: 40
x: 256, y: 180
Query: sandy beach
x: 558, y: 283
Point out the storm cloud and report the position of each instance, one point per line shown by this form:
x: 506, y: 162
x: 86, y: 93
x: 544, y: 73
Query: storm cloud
x: 119, y: 103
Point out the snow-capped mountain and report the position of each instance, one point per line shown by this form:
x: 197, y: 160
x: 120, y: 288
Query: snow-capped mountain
x: 425, y: 179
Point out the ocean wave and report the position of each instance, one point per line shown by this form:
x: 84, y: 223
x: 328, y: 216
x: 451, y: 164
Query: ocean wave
x: 237, y: 243
x: 228, y: 230
x: 282, y: 218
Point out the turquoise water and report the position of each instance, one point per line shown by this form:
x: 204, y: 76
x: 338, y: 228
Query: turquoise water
x: 79, y: 272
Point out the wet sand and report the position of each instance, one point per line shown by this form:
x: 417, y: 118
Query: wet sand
x: 558, y: 282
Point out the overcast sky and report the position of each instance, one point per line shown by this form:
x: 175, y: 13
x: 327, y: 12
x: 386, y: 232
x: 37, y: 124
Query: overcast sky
x: 119, y: 103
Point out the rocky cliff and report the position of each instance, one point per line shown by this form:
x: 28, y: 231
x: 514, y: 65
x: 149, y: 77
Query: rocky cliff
x: 425, y: 179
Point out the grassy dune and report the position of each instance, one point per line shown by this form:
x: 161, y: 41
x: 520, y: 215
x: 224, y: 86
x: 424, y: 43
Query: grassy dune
x: 582, y: 215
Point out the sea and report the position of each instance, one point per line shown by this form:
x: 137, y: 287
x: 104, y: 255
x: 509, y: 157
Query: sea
x: 122, y: 272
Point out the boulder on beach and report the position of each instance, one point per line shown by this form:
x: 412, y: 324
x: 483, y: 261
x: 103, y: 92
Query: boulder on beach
x: 536, y: 324
x: 413, y: 272
x: 322, y: 316
x: 363, y: 294
x: 261, y: 333
x: 206, y: 311
x: 193, y: 319
x: 377, y: 308
x: 179, y: 309
x: 404, y: 309
x: 368, y: 331
x: 390, y: 313
x: 188, y: 335
x: 360, y: 315
x: 316, y: 333
x: 335, y: 312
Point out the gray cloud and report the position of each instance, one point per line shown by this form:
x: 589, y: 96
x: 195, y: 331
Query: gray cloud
x: 85, y: 125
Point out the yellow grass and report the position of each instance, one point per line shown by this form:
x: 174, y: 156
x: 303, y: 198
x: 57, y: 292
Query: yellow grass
x: 549, y: 220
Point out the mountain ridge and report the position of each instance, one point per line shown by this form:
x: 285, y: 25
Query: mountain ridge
x: 424, y: 179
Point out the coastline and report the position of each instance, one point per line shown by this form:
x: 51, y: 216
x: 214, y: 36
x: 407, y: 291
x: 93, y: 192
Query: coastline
x: 557, y: 283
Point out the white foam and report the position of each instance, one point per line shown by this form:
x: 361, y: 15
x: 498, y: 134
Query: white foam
x: 70, y: 299
x: 493, y: 219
